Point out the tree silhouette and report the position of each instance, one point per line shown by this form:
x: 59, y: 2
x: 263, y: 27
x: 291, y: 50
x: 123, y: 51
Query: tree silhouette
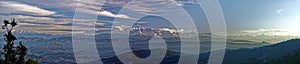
x: 13, y: 54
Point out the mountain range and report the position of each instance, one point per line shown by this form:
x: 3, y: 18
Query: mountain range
x: 58, y: 49
x: 260, y: 55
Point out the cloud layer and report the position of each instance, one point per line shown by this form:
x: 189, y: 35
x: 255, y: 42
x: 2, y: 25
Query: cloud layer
x: 54, y: 26
x: 270, y: 32
x: 49, y: 16
x: 9, y: 7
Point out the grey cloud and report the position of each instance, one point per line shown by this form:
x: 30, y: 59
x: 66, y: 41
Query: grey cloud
x: 53, y: 26
x: 10, y: 7
x: 93, y: 6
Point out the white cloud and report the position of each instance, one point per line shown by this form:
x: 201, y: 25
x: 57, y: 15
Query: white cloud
x: 264, y: 30
x: 93, y: 6
x: 109, y: 14
x: 10, y: 7
x: 149, y: 6
x: 270, y: 32
x: 40, y: 24
x: 53, y: 26
x: 83, y: 6
x: 105, y: 13
x: 280, y: 11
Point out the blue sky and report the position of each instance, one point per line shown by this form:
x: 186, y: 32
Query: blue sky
x: 254, y: 14
x: 240, y: 15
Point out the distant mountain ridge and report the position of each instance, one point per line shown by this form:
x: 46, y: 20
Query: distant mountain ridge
x: 260, y: 55
x: 54, y: 48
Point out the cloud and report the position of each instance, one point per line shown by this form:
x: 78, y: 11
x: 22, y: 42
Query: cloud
x: 10, y: 7
x: 93, y: 6
x: 270, y: 32
x: 109, y: 14
x: 262, y: 30
x: 33, y: 17
x: 82, y: 6
x: 149, y: 6
x: 105, y: 13
x: 280, y: 11
x: 54, y: 26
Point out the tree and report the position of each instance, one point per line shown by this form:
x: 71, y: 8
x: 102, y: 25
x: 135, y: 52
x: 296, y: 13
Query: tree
x: 13, y: 54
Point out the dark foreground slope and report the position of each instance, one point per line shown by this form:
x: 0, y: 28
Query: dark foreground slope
x: 259, y: 55
x: 293, y: 58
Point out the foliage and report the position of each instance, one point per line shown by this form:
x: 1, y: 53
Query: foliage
x: 287, y: 59
x: 13, y: 54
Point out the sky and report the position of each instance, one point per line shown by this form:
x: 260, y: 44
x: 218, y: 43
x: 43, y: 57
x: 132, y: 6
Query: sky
x: 274, y: 17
